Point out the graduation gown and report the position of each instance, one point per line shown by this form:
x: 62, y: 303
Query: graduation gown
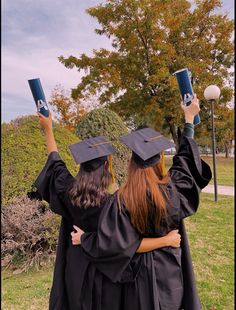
x: 77, y: 283
x: 163, y: 278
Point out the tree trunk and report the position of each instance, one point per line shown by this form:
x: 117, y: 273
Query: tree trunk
x: 226, y: 151
x: 173, y: 133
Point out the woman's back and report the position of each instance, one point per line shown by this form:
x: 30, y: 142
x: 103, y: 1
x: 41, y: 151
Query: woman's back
x: 161, y: 278
x: 170, y: 221
x: 76, y: 281
x: 85, y: 218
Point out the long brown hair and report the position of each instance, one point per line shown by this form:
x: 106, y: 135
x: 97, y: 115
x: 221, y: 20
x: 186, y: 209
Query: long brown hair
x: 142, y: 187
x: 90, y: 189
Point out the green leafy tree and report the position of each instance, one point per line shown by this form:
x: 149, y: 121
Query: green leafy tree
x: 24, y: 154
x: 151, y: 39
x: 104, y: 122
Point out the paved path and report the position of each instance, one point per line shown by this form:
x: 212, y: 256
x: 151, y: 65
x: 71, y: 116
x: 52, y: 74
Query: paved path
x: 222, y: 190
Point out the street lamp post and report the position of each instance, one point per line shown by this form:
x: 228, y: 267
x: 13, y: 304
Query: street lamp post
x: 211, y: 94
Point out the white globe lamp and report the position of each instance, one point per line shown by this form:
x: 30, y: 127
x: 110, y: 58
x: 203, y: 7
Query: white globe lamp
x: 212, y: 92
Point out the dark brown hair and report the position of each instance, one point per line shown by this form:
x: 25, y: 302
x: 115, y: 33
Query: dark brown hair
x: 142, y: 187
x: 90, y: 189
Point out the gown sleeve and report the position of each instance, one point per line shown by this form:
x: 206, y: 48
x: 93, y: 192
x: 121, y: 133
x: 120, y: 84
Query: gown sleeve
x: 113, y: 245
x: 189, y: 173
x: 52, y: 184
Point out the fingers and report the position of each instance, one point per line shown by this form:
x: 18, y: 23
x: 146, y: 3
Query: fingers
x: 74, y: 239
x: 75, y: 236
x: 183, y: 106
x: 78, y: 231
x: 40, y: 115
x: 77, y: 228
x: 195, y: 99
x: 50, y: 115
x: 174, y: 231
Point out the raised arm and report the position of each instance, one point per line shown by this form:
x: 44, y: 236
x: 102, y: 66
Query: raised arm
x: 53, y: 181
x: 191, y: 110
x: 189, y: 173
x: 189, y: 113
x: 46, y: 123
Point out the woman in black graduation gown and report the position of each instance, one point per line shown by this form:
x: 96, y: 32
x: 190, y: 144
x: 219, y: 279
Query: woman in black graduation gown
x: 77, y: 284
x: 161, y: 279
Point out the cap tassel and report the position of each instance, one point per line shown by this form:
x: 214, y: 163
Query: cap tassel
x: 110, y: 168
x: 163, y: 168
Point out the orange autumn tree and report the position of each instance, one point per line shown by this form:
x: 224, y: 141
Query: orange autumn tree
x: 68, y: 110
x: 224, y: 128
x: 150, y: 40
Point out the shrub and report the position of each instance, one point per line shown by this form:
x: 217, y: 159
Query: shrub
x: 107, y: 123
x: 24, y: 154
x: 29, y: 232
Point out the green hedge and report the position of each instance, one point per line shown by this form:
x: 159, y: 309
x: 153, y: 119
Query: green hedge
x: 24, y: 154
x: 107, y: 123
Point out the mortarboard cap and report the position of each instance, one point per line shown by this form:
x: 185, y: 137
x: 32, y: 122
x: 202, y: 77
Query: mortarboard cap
x: 146, y: 145
x: 92, y: 152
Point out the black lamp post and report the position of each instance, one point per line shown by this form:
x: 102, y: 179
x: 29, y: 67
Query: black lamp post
x: 212, y: 93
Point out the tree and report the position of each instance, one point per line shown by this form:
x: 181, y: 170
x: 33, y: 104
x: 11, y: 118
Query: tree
x: 224, y: 128
x: 69, y: 111
x: 104, y: 122
x: 151, y: 39
x: 24, y: 154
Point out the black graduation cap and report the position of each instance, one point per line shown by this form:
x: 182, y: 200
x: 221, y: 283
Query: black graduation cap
x: 92, y: 153
x: 146, y: 145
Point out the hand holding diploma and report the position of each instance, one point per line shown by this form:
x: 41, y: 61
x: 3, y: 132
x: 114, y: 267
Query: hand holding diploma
x: 191, y: 110
x: 45, y: 122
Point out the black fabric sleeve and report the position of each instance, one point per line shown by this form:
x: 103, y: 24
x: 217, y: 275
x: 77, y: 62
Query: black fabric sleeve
x: 52, y: 184
x: 114, y: 244
x: 190, y: 174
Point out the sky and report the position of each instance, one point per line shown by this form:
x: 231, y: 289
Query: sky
x: 34, y: 35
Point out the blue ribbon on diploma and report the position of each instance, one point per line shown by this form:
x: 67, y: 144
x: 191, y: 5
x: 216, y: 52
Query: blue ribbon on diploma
x: 185, y: 87
x: 39, y: 96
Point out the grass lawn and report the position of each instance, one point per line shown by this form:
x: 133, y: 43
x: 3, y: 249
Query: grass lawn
x: 224, y: 169
x: 26, y: 291
x: 211, y: 238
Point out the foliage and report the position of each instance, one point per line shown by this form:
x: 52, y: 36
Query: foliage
x: 150, y: 41
x: 69, y: 111
x: 29, y: 232
x: 107, y: 123
x: 224, y: 128
x: 24, y: 154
